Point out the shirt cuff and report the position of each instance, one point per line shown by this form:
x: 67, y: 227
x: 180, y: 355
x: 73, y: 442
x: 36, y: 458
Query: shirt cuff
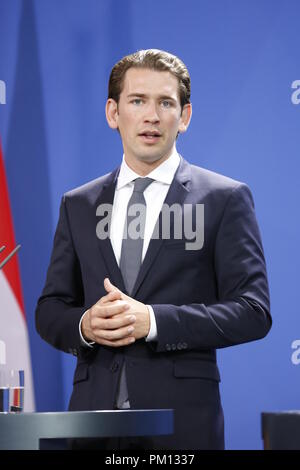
x: 84, y: 343
x: 152, y: 335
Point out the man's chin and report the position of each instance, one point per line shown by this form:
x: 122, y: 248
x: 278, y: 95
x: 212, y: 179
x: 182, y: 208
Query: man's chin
x: 151, y: 158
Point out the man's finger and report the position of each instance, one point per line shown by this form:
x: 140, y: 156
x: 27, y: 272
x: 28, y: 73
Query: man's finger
x: 110, y: 297
x: 117, y: 322
x: 107, y: 310
x: 117, y: 343
x: 114, y: 335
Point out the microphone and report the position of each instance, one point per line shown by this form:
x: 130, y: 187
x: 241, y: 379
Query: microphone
x: 9, y: 256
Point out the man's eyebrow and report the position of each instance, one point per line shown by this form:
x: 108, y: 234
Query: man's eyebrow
x: 134, y: 95
x: 143, y: 95
x: 166, y: 97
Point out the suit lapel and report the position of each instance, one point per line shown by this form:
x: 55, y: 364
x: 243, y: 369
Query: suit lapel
x: 105, y: 246
x: 177, y: 193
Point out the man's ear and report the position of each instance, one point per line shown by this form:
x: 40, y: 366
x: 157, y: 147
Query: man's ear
x: 185, y: 118
x: 112, y: 114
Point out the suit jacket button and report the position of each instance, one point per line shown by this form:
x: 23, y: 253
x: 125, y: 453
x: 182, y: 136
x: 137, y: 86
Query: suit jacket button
x: 179, y: 346
x: 114, y: 367
x: 184, y: 345
x: 174, y: 347
x: 168, y: 347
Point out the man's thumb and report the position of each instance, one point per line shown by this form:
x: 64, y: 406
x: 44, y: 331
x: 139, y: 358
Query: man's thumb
x: 109, y: 287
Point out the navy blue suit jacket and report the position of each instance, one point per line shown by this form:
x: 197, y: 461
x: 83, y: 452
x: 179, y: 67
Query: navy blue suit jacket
x: 203, y: 300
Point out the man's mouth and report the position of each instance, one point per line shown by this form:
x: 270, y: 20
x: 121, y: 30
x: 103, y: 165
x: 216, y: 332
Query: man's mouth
x: 150, y: 136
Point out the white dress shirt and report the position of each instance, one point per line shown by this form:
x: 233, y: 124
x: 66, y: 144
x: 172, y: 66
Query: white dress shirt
x: 155, y: 195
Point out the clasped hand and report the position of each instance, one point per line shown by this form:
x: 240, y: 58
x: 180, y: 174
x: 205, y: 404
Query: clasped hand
x: 116, y: 319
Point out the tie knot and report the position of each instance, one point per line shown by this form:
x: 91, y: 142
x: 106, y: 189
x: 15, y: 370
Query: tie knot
x: 140, y: 184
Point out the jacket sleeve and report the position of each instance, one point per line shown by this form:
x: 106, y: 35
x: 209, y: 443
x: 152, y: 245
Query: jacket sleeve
x: 242, y: 310
x: 61, y: 304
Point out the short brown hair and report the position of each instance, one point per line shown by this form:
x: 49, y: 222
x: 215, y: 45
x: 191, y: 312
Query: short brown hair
x: 153, y: 59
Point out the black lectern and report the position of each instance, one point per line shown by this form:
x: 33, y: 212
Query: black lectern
x: 24, y: 430
x: 281, y: 430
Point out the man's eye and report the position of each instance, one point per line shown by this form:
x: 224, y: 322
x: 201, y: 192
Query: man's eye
x: 137, y: 101
x: 166, y: 104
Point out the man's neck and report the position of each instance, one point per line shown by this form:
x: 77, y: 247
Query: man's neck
x: 143, y: 168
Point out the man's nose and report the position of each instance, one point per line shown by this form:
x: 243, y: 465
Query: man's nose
x: 151, y: 114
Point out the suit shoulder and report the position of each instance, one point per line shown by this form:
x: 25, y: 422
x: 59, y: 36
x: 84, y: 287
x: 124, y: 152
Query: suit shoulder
x: 213, y: 180
x: 89, y: 190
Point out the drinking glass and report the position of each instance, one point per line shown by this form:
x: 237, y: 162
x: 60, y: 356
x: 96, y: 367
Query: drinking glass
x: 16, y: 390
x: 4, y: 390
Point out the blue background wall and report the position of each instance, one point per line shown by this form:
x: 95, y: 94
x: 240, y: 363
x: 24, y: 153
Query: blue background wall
x: 243, y: 55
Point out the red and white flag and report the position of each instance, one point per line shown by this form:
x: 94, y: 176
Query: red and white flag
x: 14, y: 344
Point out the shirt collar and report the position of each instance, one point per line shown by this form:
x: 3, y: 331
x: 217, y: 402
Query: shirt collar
x: 164, y: 172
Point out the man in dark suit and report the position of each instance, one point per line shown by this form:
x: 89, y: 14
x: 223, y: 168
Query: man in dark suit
x: 145, y: 318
